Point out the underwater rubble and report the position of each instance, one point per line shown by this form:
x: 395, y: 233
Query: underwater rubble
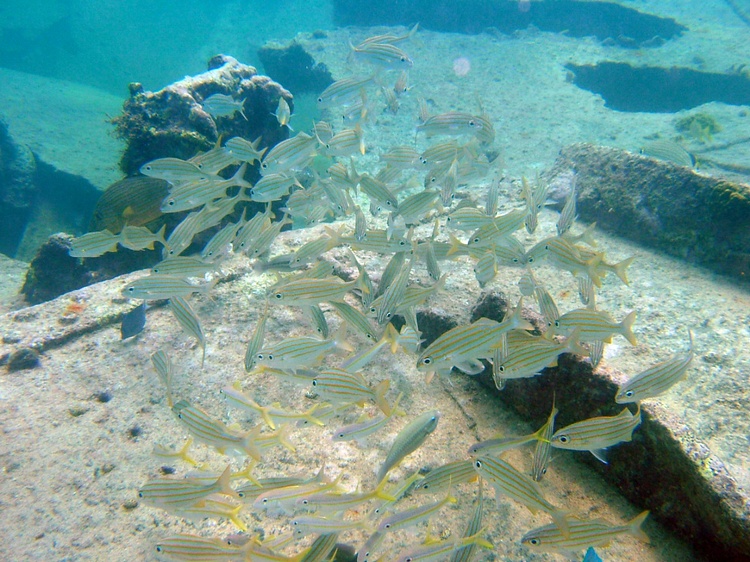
x: 674, y: 208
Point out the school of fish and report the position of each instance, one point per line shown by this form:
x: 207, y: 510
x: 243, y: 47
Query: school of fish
x: 417, y: 184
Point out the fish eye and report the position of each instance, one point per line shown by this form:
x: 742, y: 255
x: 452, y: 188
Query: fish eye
x: 279, y: 296
x: 158, y: 548
x: 426, y: 360
x: 476, y: 240
x: 403, y: 59
x: 131, y: 289
x: 501, y: 368
x: 260, y: 356
x: 270, y: 357
x: 531, y: 260
x: 544, y: 471
x: 140, y: 494
x: 534, y: 541
x: 320, y: 100
x: 557, y: 323
x: 629, y: 393
x: 387, y: 526
x: 472, y: 123
x: 315, y: 382
x: 563, y: 439
x: 388, y: 315
x: 340, y: 436
x: 477, y: 464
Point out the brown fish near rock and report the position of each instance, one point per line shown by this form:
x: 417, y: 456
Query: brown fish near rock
x: 133, y: 201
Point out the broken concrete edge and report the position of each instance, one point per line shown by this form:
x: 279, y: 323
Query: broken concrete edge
x: 695, y: 217
x: 665, y: 468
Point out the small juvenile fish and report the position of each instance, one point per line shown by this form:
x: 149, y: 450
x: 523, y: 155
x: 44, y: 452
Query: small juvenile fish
x: 342, y: 92
x: 582, y: 533
x: 409, y: 439
x: 657, y: 379
x: 183, y: 266
x: 222, y: 105
x: 283, y: 113
x: 133, y: 322
x: 342, y: 387
x: 94, y: 244
x: 668, y: 151
x: 596, y: 434
x: 457, y: 123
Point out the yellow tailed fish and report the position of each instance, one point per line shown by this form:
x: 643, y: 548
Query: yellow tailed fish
x: 596, y: 434
x: 409, y: 439
x: 657, y: 379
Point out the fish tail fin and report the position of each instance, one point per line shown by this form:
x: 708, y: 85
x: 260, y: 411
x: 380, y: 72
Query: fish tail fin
x: 380, y: 390
x: 587, y: 236
x: 249, y: 446
x: 247, y: 472
x: 380, y: 492
x: 518, y: 321
x: 224, y: 481
x: 621, y: 269
x: 283, y: 438
x: 634, y: 527
x: 560, y: 518
x: 627, y: 328
x: 183, y: 453
x: 233, y: 517
x: 573, y: 343
x: 238, y: 178
x: 160, y: 235
x: 339, y: 339
x: 455, y: 245
x: 478, y: 539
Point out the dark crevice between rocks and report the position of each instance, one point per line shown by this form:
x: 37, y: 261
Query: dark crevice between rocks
x: 606, y: 21
x: 659, y: 90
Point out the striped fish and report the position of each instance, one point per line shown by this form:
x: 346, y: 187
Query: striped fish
x: 595, y: 325
x: 183, y: 266
x: 134, y: 201
x: 272, y: 414
x: 438, y: 551
x: 223, y: 105
x: 329, y: 503
x: 302, y: 351
x: 156, y: 287
x: 401, y: 157
x: 358, y: 431
x: 256, y: 340
x: 304, y: 292
x: 189, y: 321
x: 527, y: 355
x: 342, y: 92
x: 444, y: 477
x: 409, y: 439
x: 165, y: 370
x: 657, y: 379
x: 183, y: 492
x: 497, y: 228
x: 321, y: 548
x: 385, y: 55
x: 543, y: 448
x: 596, y: 434
x: 272, y: 187
x: 214, y: 507
x: 303, y: 526
x: 568, y: 213
x: 516, y: 485
x: 173, y: 170
x: 193, y: 547
x: 413, y: 516
x: 292, y: 153
x: 94, y: 244
x: 378, y: 191
x: 342, y: 387
x: 345, y: 143
x: 214, y: 160
x: 214, y: 433
x: 244, y: 150
x: 582, y: 533
x: 473, y: 528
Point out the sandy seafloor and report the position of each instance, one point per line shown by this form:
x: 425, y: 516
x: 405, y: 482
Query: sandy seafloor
x: 65, y: 478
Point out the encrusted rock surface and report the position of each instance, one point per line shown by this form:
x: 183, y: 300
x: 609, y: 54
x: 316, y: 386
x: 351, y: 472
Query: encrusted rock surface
x: 680, y: 211
x: 172, y: 122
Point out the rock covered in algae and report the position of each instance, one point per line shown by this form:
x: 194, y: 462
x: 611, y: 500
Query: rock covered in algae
x: 294, y: 67
x: 678, y: 210
x: 172, y: 122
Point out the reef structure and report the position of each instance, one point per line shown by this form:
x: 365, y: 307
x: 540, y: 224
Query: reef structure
x: 703, y: 219
x: 172, y: 122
